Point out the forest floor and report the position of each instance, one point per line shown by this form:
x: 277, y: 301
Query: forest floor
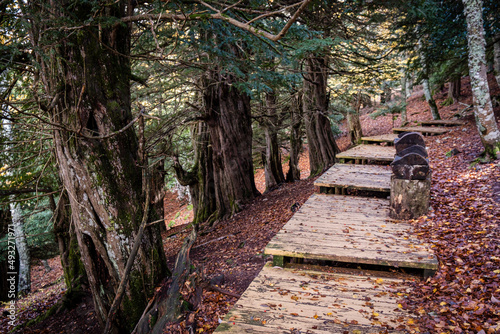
x: 463, y: 227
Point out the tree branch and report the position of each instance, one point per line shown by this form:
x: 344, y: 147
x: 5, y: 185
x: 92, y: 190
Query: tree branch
x: 218, y: 15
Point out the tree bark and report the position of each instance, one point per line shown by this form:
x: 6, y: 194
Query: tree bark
x: 273, y: 170
x: 322, y: 146
x: 483, y: 108
x: 200, y: 179
x: 24, y: 274
x: 64, y: 231
x: 454, y: 88
x: 99, y: 165
x: 296, y: 142
x: 496, y: 58
x: 230, y: 128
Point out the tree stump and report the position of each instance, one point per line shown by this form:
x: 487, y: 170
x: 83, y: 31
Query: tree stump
x: 409, y: 198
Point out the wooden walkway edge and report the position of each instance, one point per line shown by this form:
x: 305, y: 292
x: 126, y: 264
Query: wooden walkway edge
x: 341, y: 177
x: 295, y: 301
x: 349, y: 229
x: 363, y: 154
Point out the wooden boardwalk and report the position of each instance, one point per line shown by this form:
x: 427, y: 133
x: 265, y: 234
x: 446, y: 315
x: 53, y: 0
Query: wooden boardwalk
x: 349, y: 229
x: 442, y: 122
x: 363, y: 154
x: 342, y: 177
x: 388, y: 139
x: 294, y: 301
x: 342, y: 231
x: 424, y: 130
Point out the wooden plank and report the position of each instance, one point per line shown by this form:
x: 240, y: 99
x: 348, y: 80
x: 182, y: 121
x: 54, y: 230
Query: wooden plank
x: 442, y: 122
x: 350, y: 229
x: 295, y: 301
x: 375, y: 153
x: 361, y: 177
x: 386, y: 138
x: 425, y: 130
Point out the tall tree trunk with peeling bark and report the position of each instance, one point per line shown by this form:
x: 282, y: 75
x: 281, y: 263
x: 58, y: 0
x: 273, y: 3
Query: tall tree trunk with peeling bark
x: 483, y: 108
x: 322, y: 145
x: 228, y: 117
x: 273, y: 171
x: 87, y: 80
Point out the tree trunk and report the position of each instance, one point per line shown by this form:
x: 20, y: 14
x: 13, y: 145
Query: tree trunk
x: 353, y: 121
x: 273, y: 169
x: 71, y: 260
x: 425, y: 83
x: 295, y: 137
x: 230, y: 127
x: 201, y: 177
x: 322, y: 146
x: 454, y: 88
x: 496, y: 58
x: 24, y: 274
x: 99, y: 165
x: 483, y: 108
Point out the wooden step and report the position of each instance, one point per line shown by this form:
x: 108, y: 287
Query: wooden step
x: 341, y: 177
x: 364, y: 154
x: 349, y: 229
x: 295, y: 301
x: 424, y: 130
x: 442, y: 122
x: 387, y: 139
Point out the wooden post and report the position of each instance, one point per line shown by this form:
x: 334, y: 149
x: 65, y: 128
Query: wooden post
x: 409, y: 198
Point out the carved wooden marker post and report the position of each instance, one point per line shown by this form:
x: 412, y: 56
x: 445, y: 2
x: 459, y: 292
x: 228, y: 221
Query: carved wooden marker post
x: 411, y: 177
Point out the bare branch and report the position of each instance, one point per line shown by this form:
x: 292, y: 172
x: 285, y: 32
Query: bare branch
x: 218, y: 15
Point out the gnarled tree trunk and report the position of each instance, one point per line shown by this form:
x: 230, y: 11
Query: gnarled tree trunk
x: 97, y: 154
x: 322, y: 146
x: 230, y: 128
x: 273, y: 171
x: 483, y: 108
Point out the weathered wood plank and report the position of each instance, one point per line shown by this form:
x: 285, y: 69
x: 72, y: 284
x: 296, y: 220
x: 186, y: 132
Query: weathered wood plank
x: 425, y: 130
x: 386, y: 138
x: 361, y: 177
x: 442, y: 122
x: 294, y: 301
x: 372, y: 153
x: 350, y: 229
